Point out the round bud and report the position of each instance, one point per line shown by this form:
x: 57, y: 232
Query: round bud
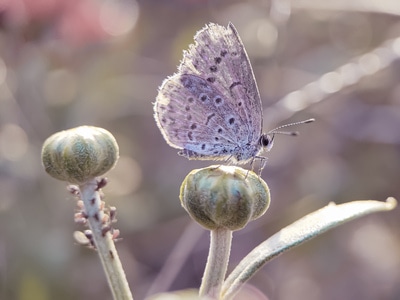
x: 79, y: 154
x: 224, y: 197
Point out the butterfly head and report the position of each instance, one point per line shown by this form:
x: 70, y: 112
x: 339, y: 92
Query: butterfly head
x: 267, y: 139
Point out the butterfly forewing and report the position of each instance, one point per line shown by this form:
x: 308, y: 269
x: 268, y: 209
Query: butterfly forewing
x: 219, y: 56
x: 211, y: 108
x: 192, y: 115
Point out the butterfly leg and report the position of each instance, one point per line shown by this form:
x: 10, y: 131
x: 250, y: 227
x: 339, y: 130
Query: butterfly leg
x: 263, y: 160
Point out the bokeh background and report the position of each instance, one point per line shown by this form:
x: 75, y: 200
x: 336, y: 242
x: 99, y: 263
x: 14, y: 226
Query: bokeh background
x: 100, y: 62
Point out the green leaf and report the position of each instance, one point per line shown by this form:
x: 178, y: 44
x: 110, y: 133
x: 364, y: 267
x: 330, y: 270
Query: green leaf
x: 297, y: 233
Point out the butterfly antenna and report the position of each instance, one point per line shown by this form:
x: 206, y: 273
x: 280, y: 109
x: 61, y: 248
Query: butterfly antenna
x: 292, y: 133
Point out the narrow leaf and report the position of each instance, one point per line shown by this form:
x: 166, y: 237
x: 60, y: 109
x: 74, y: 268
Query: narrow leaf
x: 297, y: 233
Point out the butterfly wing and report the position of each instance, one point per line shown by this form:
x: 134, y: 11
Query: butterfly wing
x: 211, y: 108
x: 193, y: 116
x: 219, y: 56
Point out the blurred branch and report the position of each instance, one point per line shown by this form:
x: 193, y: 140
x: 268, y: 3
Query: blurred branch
x: 336, y: 81
x: 177, y: 258
x: 391, y: 7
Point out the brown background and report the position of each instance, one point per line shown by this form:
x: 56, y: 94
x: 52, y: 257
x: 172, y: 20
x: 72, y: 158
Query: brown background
x: 70, y: 63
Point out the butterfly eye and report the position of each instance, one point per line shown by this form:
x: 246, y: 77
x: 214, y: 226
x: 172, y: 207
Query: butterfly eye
x: 266, y: 141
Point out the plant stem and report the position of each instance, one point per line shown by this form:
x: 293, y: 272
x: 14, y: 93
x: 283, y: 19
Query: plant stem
x: 217, y: 263
x: 103, y: 242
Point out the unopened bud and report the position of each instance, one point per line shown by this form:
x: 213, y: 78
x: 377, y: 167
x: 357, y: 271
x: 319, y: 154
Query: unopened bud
x: 79, y: 154
x: 224, y: 197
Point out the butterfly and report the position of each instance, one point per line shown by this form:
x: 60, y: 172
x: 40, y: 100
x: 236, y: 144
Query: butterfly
x: 211, y: 108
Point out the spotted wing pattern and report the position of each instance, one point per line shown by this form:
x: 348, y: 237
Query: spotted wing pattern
x: 211, y: 108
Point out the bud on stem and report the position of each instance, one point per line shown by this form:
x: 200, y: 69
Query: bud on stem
x: 79, y: 154
x: 224, y: 197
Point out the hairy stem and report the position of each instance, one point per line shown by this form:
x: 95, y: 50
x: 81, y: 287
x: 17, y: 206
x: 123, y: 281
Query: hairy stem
x: 104, y: 243
x: 217, y: 263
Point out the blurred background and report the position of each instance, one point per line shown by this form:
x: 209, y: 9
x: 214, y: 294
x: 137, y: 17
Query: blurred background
x: 92, y: 62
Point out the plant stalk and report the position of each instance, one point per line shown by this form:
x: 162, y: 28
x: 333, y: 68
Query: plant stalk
x: 103, y: 242
x: 217, y: 263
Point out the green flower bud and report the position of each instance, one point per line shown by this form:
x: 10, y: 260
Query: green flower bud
x: 79, y: 154
x: 224, y: 197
